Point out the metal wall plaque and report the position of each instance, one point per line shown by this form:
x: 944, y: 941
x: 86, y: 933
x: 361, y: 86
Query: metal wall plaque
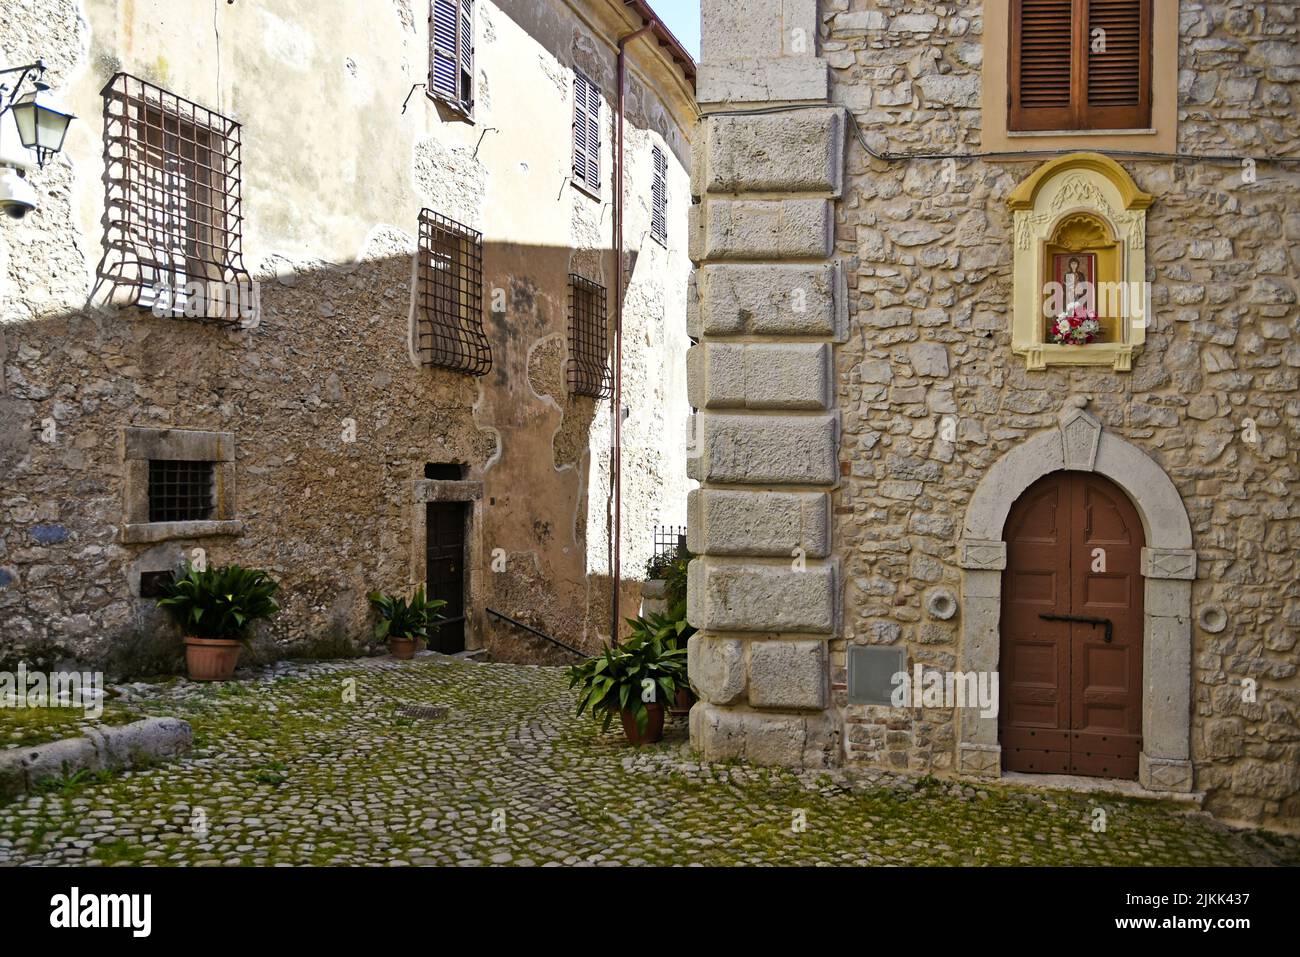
x: 871, y: 672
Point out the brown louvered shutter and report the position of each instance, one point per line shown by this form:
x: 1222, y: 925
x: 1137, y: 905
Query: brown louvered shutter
x: 1080, y: 64
x: 1041, y: 62
x: 1118, y: 62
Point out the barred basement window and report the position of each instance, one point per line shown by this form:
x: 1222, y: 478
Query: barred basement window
x: 450, y: 296
x: 451, y: 53
x: 589, y: 372
x: 586, y: 132
x: 659, y: 196
x: 180, y: 491
x: 173, y: 218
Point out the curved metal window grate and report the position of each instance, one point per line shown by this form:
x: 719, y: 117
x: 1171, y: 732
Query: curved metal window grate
x: 589, y: 372
x: 173, y: 218
x: 450, y: 296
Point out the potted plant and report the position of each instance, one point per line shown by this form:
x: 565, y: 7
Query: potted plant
x: 672, y: 631
x: 631, y: 680
x: 405, y: 624
x: 216, y: 609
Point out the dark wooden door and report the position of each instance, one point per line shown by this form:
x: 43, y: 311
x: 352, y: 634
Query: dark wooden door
x: 445, y: 564
x: 1071, y: 691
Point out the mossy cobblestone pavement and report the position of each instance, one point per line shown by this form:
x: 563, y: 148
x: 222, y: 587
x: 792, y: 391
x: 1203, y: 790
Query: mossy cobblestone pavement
x: 318, y: 764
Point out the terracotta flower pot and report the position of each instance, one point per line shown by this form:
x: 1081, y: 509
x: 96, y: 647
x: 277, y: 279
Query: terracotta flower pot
x: 211, y: 659
x: 403, y: 648
x: 654, y: 726
x: 682, y: 703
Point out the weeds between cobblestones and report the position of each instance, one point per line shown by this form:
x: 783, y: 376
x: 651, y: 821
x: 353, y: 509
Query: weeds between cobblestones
x: 290, y: 768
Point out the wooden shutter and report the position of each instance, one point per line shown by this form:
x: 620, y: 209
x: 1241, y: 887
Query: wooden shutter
x: 443, y: 34
x: 1063, y: 76
x: 586, y: 131
x: 465, y: 43
x: 1118, y: 76
x: 659, y: 195
x: 1041, y: 61
x: 451, y: 52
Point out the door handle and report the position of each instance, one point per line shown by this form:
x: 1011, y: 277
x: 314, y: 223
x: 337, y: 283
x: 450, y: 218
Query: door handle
x: 1084, y: 619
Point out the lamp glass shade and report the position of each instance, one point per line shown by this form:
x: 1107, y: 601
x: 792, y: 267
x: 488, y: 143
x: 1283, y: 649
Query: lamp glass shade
x: 41, y: 124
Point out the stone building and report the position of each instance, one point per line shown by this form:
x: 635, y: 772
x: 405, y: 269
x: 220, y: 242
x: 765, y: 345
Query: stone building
x: 329, y: 289
x: 909, y: 467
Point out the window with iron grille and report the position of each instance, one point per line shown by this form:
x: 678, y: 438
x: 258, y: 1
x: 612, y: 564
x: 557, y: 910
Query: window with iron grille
x: 589, y: 372
x: 586, y: 132
x: 180, y: 491
x: 659, y: 196
x: 450, y: 296
x: 173, y: 218
x: 1080, y: 65
x: 451, y: 53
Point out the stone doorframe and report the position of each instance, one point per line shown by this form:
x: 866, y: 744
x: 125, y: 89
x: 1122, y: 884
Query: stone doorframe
x: 470, y: 492
x: 1079, y: 443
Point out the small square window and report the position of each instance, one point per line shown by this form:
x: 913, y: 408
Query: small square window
x: 180, y: 491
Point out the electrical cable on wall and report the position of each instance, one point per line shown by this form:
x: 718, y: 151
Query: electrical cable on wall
x: 1004, y: 154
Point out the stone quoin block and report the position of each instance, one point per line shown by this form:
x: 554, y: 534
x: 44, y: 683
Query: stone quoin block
x: 759, y: 376
x: 765, y: 738
x: 766, y: 229
x: 725, y: 522
x: 799, y: 152
x: 716, y: 667
x: 764, y: 80
x: 753, y: 597
x: 770, y: 300
x: 787, y: 674
x: 736, y: 31
x: 765, y: 449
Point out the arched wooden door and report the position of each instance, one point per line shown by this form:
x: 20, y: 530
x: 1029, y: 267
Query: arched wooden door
x: 1071, y: 631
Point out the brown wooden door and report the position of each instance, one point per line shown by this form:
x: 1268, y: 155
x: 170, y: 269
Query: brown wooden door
x: 445, y: 569
x: 1070, y: 699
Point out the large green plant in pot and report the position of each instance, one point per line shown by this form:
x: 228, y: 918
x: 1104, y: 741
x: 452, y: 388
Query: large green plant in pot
x: 404, y: 624
x: 632, y: 680
x: 216, y: 609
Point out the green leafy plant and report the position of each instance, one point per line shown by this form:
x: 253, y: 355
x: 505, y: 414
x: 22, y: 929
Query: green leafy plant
x: 616, y: 680
x: 219, y: 602
x: 670, y: 630
x: 399, y: 618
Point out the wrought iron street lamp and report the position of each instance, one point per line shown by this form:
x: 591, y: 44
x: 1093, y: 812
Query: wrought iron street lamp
x: 42, y: 122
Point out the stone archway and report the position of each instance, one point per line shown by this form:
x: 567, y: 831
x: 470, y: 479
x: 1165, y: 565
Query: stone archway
x: 1168, y: 567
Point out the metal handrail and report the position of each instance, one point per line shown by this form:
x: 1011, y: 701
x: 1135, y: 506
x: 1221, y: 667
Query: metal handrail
x: 539, y: 634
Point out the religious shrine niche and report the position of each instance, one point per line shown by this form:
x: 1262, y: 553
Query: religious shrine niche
x: 1081, y: 296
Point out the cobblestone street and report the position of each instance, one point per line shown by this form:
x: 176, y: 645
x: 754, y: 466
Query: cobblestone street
x: 317, y: 764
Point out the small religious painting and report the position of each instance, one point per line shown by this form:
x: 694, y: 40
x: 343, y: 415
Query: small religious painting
x: 1076, y: 276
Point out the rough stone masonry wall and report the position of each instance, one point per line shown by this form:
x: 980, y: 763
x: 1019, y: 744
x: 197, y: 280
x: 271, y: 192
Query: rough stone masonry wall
x: 333, y: 251
x: 928, y: 250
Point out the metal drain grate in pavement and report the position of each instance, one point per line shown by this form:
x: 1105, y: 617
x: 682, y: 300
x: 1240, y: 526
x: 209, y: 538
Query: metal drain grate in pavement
x: 426, y: 712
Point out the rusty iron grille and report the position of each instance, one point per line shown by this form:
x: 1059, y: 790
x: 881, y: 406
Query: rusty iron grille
x: 451, y: 296
x: 588, y: 339
x: 179, y: 491
x: 659, y: 196
x: 173, y: 220
x: 669, y: 540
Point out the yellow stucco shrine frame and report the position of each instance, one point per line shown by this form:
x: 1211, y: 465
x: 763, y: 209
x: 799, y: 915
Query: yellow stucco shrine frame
x: 1083, y: 202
